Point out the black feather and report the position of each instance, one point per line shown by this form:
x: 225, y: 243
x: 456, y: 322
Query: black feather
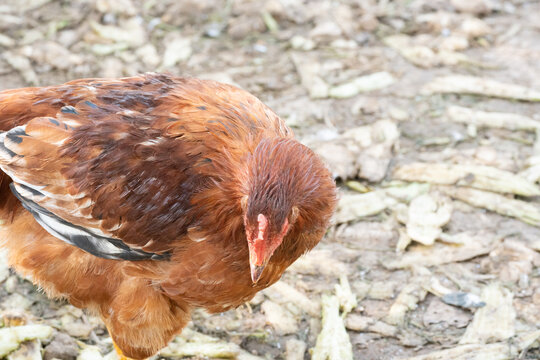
x: 83, y: 238
x: 15, y: 134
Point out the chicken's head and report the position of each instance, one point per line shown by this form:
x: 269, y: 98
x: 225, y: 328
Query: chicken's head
x: 263, y: 240
x: 287, y: 189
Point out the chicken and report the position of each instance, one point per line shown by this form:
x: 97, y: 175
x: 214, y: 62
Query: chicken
x: 143, y: 198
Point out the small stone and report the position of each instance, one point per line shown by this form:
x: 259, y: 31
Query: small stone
x: 23, y: 65
x: 6, y: 41
x: 440, y: 313
x: 368, y: 22
x: 243, y: 26
x: 213, y: 30
x: 148, y: 55
x: 382, y: 290
x: 454, y: 43
x: 301, y: 43
x: 62, y: 347
x: 116, y: 7
x: 462, y: 299
x: 111, y: 67
x: 327, y: 29
x: 177, y: 50
x: 474, y: 28
x: 398, y: 114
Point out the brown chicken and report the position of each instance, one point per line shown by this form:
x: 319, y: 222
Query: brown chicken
x: 145, y: 197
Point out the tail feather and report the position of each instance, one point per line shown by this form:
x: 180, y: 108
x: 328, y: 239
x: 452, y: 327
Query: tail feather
x: 8, y: 202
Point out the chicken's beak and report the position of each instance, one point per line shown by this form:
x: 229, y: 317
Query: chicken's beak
x: 256, y: 271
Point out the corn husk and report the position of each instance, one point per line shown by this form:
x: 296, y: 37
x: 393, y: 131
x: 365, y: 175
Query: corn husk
x: 427, y: 215
x: 518, y: 209
x: 499, y: 120
x: 355, y: 206
x: 357, y: 322
x: 12, y: 337
x: 333, y: 341
x: 192, y: 343
x: 480, y: 177
x: 466, y: 246
x: 462, y: 84
x: 495, y: 321
x: 365, y: 83
x: 347, y: 299
x: 496, y: 351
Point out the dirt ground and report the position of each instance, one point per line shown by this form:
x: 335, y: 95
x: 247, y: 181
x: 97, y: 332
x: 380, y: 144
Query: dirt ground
x: 427, y: 113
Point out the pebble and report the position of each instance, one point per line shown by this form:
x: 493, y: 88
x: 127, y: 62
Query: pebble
x: 62, y: 347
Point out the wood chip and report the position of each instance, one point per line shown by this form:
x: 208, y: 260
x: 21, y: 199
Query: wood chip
x: 462, y: 84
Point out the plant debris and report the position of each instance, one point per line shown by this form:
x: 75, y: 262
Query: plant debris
x: 426, y: 114
x: 462, y: 84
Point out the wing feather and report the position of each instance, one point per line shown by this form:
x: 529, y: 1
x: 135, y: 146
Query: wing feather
x: 119, y: 162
